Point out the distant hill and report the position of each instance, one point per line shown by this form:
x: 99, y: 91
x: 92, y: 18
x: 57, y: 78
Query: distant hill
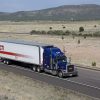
x: 66, y: 12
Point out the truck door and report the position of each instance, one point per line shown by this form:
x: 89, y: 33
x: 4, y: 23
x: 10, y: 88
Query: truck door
x: 47, y: 60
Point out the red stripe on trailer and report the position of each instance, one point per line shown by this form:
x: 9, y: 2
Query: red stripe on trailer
x: 14, y: 54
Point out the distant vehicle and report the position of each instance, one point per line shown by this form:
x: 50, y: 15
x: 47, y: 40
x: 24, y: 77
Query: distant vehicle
x: 38, y: 56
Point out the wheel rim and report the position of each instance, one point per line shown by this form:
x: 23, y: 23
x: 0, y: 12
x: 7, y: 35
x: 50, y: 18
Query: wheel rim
x: 34, y: 68
x: 4, y: 62
x: 7, y: 62
x: 38, y: 69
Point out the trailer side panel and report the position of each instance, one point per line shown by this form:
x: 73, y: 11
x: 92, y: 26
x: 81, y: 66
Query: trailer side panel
x: 20, y: 52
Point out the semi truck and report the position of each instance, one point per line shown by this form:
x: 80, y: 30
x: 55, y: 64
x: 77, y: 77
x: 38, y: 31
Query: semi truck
x: 39, y: 57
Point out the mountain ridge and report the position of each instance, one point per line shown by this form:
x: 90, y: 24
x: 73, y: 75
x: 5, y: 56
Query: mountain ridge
x: 61, y: 13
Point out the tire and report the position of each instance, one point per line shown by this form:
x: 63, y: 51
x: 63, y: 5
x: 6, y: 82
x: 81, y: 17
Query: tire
x: 4, y: 61
x: 54, y: 73
x: 7, y: 62
x: 34, y: 69
x: 38, y: 69
x: 60, y: 74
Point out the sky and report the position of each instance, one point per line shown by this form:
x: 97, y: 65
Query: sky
x: 31, y: 5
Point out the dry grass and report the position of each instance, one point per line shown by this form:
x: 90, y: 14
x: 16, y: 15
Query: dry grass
x: 17, y: 87
x: 21, y: 27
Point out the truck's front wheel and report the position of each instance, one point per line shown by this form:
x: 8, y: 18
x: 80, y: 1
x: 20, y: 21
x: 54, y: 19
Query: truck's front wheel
x: 60, y: 74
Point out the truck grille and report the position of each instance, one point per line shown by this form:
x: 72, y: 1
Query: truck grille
x: 70, y: 68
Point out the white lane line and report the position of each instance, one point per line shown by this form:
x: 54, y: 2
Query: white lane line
x: 84, y: 84
x: 89, y: 69
x: 58, y: 77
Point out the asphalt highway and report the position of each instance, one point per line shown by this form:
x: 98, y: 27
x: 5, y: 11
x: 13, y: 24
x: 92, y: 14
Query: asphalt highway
x: 88, y: 81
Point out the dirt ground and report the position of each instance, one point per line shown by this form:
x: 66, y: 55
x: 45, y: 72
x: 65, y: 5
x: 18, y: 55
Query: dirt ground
x: 26, y: 27
x: 17, y: 87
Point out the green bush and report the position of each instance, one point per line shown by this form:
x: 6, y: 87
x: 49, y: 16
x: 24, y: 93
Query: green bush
x: 50, y: 28
x: 64, y: 27
x: 96, y: 34
x: 79, y: 41
x: 67, y: 32
x: 58, y: 32
x: 80, y: 34
x: 81, y: 29
x: 95, y: 25
x: 62, y: 37
x: 33, y: 32
x: 94, y: 63
x: 44, y: 32
x: 84, y: 37
x: 50, y: 32
x: 87, y: 35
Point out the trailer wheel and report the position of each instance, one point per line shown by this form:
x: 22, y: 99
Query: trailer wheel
x: 38, y: 69
x: 34, y: 68
x: 4, y: 61
x: 60, y: 74
x: 7, y: 62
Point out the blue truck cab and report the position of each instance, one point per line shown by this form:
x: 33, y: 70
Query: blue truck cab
x: 56, y: 63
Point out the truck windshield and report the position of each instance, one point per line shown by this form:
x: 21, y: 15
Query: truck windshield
x: 63, y: 58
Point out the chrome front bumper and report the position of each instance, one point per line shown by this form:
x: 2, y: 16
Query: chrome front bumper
x: 75, y: 73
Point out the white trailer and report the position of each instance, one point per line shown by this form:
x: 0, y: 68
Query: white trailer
x: 28, y: 52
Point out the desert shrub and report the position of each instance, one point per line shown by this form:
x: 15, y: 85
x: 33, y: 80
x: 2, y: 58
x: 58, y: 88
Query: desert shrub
x: 38, y: 32
x: 93, y: 63
x: 87, y: 35
x: 62, y: 37
x: 73, y: 36
x: 81, y: 29
x: 64, y: 27
x: 80, y: 34
x: 50, y: 28
x: 6, y: 97
x: 96, y: 34
x: 78, y: 41
x: 95, y: 25
x: 50, y: 32
x: 33, y: 32
x: 67, y: 32
x: 55, y: 32
x: 58, y: 32
x: 90, y: 35
x: 84, y: 37
x: 44, y: 32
